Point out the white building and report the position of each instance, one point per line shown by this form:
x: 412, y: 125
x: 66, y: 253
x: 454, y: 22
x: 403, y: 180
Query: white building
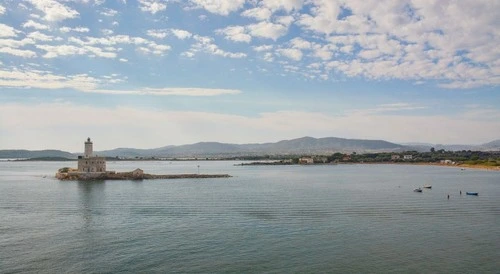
x: 408, y: 157
x: 89, y: 162
x: 306, y: 160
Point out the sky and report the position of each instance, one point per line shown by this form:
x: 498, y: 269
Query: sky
x: 152, y: 73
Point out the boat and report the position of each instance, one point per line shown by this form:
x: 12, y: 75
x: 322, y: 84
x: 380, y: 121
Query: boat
x: 427, y: 186
x: 417, y: 190
x: 472, y: 193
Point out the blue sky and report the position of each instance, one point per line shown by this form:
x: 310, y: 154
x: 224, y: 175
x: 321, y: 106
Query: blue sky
x: 150, y: 73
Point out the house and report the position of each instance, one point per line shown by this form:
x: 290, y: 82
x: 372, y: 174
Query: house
x: 447, y: 162
x: 306, y: 160
x: 137, y: 173
x: 408, y: 157
x: 346, y: 157
x: 320, y: 159
x: 395, y: 157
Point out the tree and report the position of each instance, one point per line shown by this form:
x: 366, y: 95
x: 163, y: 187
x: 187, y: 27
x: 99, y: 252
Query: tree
x: 433, y: 150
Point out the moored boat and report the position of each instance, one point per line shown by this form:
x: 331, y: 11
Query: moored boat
x: 427, y: 186
x: 472, y: 193
x: 417, y: 190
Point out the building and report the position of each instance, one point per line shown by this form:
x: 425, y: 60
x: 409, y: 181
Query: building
x: 408, y: 157
x: 346, y: 157
x: 395, y: 157
x: 137, y: 173
x: 89, y: 162
x: 306, y: 160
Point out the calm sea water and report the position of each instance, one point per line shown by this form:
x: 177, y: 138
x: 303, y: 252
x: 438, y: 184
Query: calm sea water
x: 273, y: 219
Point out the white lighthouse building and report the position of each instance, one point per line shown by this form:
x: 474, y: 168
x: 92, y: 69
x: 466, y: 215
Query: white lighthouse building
x: 89, y: 162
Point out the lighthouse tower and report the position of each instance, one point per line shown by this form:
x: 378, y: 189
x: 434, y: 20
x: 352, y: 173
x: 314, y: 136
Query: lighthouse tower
x: 89, y: 163
x: 88, y: 148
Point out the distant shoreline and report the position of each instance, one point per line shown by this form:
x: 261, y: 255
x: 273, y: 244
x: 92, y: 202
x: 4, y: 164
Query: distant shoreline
x: 463, y: 166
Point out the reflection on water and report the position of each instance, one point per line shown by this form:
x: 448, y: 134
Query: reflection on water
x: 92, y: 195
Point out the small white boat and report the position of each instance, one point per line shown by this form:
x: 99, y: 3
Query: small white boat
x: 427, y: 186
x: 417, y: 190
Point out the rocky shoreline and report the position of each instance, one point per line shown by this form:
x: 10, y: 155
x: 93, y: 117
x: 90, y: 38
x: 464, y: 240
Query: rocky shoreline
x: 98, y: 176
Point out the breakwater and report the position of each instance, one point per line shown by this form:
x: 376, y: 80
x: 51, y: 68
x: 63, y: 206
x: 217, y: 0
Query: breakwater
x: 94, y: 176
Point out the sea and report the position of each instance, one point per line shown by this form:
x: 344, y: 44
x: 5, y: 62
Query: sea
x: 264, y: 219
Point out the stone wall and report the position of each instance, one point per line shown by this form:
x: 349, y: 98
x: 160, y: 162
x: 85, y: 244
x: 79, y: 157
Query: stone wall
x: 92, y: 164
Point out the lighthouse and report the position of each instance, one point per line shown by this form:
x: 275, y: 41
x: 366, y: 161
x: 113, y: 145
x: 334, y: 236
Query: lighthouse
x: 88, y: 148
x: 89, y: 163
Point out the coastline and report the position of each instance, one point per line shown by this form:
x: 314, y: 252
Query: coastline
x: 462, y: 166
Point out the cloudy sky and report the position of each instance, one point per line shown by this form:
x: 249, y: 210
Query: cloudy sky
x: 150, y: 73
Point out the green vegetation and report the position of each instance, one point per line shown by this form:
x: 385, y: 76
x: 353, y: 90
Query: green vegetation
x: 491, y: 158
x: 64, y: 169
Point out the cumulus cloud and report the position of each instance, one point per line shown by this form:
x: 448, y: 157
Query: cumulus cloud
x: 258, y: 13
x: 267, y: 30
x: 78, y: 29
x: 7, y: 31
x: 38, y: 36
x: 152, y: 6
x: 181, y: 34
x: 18, y: 52
x: 46, y: 80
x: 263, y: 48
x: 53, y: 10
x: 35, y: 25
x: 235, y: 33
x: 221, y: 7
x: 294, y: 54
x: 206, y: 44
x: 109, y: 12
x: 157, y: 33
x: 2, y: 10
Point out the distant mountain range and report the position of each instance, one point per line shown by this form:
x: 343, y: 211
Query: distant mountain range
x: 22, y: 153
x: 300, y: 146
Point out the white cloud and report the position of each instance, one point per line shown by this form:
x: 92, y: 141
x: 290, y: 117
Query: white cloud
x: 78, y: 29
x: 300, y: 43
x: 18, y: 52
x: 46, y: 80
x: 35, y: 25
x: 109, y: 12
x: 7, y: 31
x: 171, y: 91
x: 221, y: 7
x: 2, y: 10
x: 107, y: 32
x: 286, y: 5
x: 205, y: 44
x: 40, y: 36
x: 68, y: 50
x: 181, y: 34
x: 294, y: 54
x: 258, y: 13
x: 157, y: 33
x: 263, y: 48
x: 267, y: 30
x: 53, y: 10
x: 152, y: 6
x: 11, y: 43
x: 155, y: 49
x: 235, y: 33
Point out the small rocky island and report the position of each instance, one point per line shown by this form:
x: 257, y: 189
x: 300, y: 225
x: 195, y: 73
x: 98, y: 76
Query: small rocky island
x: 91, y: 167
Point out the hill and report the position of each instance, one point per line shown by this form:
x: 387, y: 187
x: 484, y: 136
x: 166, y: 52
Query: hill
x: 299, y: 146
x: 24, y: 154
x: 305, y: 145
